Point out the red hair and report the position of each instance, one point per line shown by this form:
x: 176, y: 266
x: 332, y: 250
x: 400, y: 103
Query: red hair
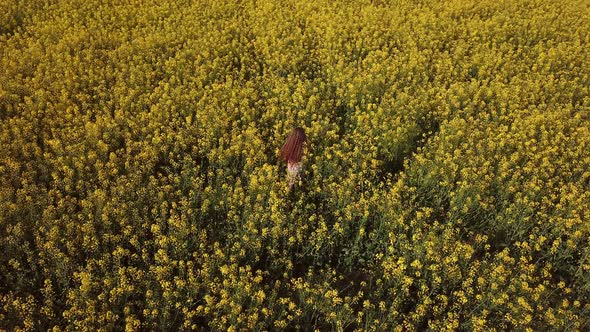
x: 292, y: 150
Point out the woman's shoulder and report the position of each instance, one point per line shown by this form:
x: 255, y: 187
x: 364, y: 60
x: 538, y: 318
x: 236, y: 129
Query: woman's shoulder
x: 294, y: 165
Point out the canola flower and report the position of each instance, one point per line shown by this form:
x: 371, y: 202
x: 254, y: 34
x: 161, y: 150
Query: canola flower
x: 446, y: 172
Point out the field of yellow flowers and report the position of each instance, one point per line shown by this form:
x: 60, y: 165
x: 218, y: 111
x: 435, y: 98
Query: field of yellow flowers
x: 446, y: 182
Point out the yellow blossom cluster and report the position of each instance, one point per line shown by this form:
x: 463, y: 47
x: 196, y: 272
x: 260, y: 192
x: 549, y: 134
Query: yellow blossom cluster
x: 445, y: 185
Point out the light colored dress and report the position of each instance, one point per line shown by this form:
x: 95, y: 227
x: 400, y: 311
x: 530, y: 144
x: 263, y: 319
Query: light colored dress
x: 293, y: 173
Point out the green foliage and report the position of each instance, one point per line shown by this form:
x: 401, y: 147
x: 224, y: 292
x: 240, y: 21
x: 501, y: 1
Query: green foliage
x: 446, y: 182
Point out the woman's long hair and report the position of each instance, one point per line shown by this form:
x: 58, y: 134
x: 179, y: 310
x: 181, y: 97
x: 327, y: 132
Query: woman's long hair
x: 292, y: 150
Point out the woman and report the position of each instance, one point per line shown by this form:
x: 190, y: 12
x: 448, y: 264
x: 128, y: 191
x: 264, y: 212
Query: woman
x: 292, y: 152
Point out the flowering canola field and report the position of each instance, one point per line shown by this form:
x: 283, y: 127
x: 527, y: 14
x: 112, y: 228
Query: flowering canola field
x: 446, y: 183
